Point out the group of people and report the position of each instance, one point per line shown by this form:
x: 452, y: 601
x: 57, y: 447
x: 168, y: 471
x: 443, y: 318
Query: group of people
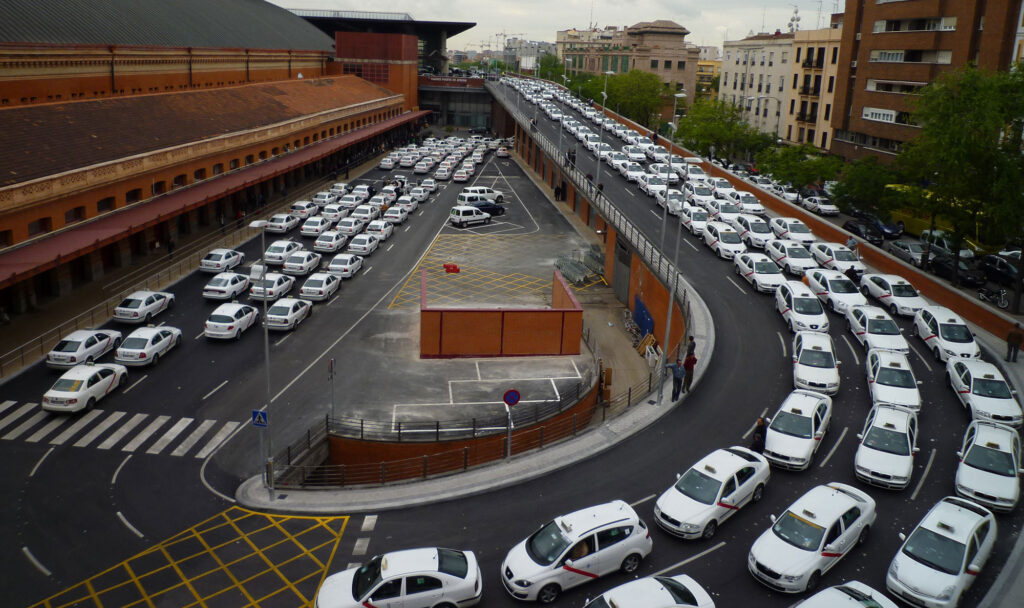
x: 682, y: 370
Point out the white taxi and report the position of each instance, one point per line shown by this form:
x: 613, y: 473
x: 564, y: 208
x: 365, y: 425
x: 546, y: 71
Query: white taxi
x: 230, y: 320
x: 815, y: 366
x: 723, y: 210
x: 82, y: 386
x: 890, y: 379
x: 837, y: 257
x: 345, y: 265
x: 753, y: 230
x: 349, y: 202
x: 893, y: 292
x: 334, y: 212
x: 350, y: 226
x: 791, y: 256
x: 271, y: 287
x: 82, y: 346
x: 146, y: 345
x: 694, y: 219
x: 984, y: 392
x: 281, y: 222
x: 712, y: 491
x: 442, y: 174
x: 433, y: 577
x: 220, y: 260
x: 885, y: 456
x: 944, y: 554
x: 945, y: 334
x: 574, y: 549
x: 834, y: 289
x: 459, y: 176
x: 873, y: 328
x: 851, y: 594
x: 796, y: 431
x: 320, y: 286
x: 723, y: 240
x: 330, y: 241
x: 324, y: 198
x: 287, y: 313
x: 698, y: 193
x: 141, y: 306
x: 677, y: 591
x: 366, y: 213
x: 429, y: 185
x: 747, y: 202
x: 394, y: 215
x: 303, y: 209
x: 226, y: 286
x: 799, y: 307
x: 301, y: 263
x: 279, y: 251
x: 362, y: 245
x: 990, y: 467
x: 380, y: 230
x: 406, y: 203
x: 792, y: 229
x: 758, y: 270
x: 315, y: 226
x: 360, y: 193
x: 811, y: 536
x: 419, y: 194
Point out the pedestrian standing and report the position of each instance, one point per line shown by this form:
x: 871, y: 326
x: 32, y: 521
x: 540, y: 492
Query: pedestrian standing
x: 678, y: 374
x: 688, y: 364
x: 760, y: 433
x: 558, y: 192
x: 851, y: 244
x: 691, y: 346
x: 1013, y: 342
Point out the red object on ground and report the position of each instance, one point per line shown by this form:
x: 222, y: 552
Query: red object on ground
x: 451, y: 268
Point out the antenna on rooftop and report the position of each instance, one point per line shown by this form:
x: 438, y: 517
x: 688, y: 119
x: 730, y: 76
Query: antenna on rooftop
x: 764, y: 19
x: 592, y: 24
x: 794, y: 21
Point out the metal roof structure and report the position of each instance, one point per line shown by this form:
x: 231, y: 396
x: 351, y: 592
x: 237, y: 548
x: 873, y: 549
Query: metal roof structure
x: 379, y: 22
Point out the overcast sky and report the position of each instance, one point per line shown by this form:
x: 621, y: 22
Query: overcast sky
x: 709, y: 21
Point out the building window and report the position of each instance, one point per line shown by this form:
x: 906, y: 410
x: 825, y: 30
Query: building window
x: 74, y: 215
x: 771, y: 58
x: 795, y: 79
x: 782, y: 83
x: 725, y: 79
x: 233, y: 164
x: 835, y: 54
x: 831, y: 83
x: 828, y: 110
x: 792, y: 106
x: 263, y: 155
x: 250, y: 159
x: 824, y: 140
x: 40, y: 226
x: 654, y: 64
x: 178, y: 181
x: 158, y: 187
x: 785, y: 58
x: 6, y: 238
x: 105, y: 205
x: 374, y: 72
x: 133, y: 196
x: 680, y: 65
x: 798, y: 49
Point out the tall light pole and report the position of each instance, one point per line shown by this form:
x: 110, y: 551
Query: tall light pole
x: 565, y: 79
x: 269, y: 456
x: 600, y: 134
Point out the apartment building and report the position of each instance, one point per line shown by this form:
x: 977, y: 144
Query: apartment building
x: 755, y: 75
x: 811, y: 89
x: 707, y: 70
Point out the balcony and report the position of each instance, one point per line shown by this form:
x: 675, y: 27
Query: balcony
x: 810, y: 91
x: 811, y: 63
x: 807, y: 117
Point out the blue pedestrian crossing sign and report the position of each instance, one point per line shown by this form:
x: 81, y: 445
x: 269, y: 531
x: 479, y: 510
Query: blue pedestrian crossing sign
x: 259, y: 419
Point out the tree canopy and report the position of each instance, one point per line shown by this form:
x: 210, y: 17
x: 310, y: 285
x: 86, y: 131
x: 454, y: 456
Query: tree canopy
x: 712, y: 122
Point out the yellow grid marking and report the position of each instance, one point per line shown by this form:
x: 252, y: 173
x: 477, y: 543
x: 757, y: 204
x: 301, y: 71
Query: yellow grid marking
x: 257, y: 548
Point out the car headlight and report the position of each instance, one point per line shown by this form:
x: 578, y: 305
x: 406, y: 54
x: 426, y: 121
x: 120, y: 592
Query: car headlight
x: 522, y: 583
x: 949, y: 352
x: 798, y: 460
x: 799, y: 324
x: 894, y: 569
x: 962, y: 488
x: 947, y: 593
x: 689, y: 527
x: 791, y: 578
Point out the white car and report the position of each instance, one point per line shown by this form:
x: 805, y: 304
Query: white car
x: 350, y: 226
x: 433, y: 577
x: 380, y: 230
x: 851, y: 594
x: 350, y: 201
x: 984, y: 392
x: 811, y: 536
x: 674, y: 198
x: 380, y: 201
x: 721, y: 187
x: 631, y: 171
x: 574, y: 549
x: 944, y: 554
x: 796, y: 431
x: 723, y: 240
x: 792, y: 229
x: 799, y: 307
x: 945, y: 334
x: 837, y: 257
x: 815, y: 363
x: 82, y: 386
x: 226, y: 286
x: 345, y: 265
x: 320, y: 286
x: 747, y: 202
x: 890, y: 379
x: 230, y: 320
x: 460, y: 176
x: 271, y: 287
x: 279, y: 251
x: 694, y: 219
x: 301, y: 263
x: 758, y: 270
x: 395, y: 215
x: 303, y: 209
x: 677, y: 591
x: 885, y: 455
x: 362, y: 245
x: 893, y: 293
x: 360, y: 193
x: 406, y: 203
x: 819, y: 205
x: 145, y: 345
x: 330, y: 241
x: 990, y: 467
x: 791, y: 256
x: 324, y: 198
x: 281, y: 222
x: 712, y: 491
x: 386, y: 163
x: 287, y: 313
x: 753, y: 230
x: 315, y: 226
x: 442, y: 174
x: 651, y: 184
x: 875, y: 329
x: 723, y: 210
x: 419, y: 194
x: 429, y: 185
x: 340, y: 188
x: 220, y: 260
x: 366, y: 213
x: 834, y: 289
x: 698, y: 193
x: 141, y: 306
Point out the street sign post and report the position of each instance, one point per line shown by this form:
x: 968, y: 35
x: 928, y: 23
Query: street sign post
x: 259, y: 419
x: 330, y: 376
x: 511, y: 397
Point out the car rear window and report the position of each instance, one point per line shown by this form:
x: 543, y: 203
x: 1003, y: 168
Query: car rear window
x: 67, y: 346
x: 135, y: 343
x: 67, y: 385
x: 221, y: 319
x: 452, y: 562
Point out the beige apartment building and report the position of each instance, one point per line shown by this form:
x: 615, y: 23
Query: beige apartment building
x: 810, y: 92
x: 707, y: 69
x: 755, y: 75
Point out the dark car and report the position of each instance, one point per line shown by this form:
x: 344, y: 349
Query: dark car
x: 889, y: 230
x: 865, y: 231
x: 971, y: 277
x: 489, y: 207
x: 812, y: 190
x: 999, y: 269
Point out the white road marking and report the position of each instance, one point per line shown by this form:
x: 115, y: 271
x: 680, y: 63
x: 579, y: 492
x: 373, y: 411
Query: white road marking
x: 24, y: 426
x: 920, y: 356
x: 278, y: 343
x: 629, y: 192
x: 117, y: 436
x: 655, y: 213
x: 201, y: 334
x: 193, y: 437
x: 764, y: 413
x: 924, y: 476
x: 853, y: 351
x: 113, y: 479
x: 39, y: 462
x: 360, y: 547
x: 690, y: 559
x: 18, y: 413
x: 77, y: 426
x: 822, y: 464
x: 694, y: 247
x: 134, y: 383
x: 35, y: 562
x: 735, y: 285
x: 101, y: 428
x: 368, y: 269
x: 555, y: 388
x: 219, y: 386
x: 169, y: 436
x: 6, y: 405
x: 48, y: 428
x: 642, y: 500
x: 389, y: 247
x: 478, y: 376
x: 405, y: 229
x: 128, y: 525
x: 782, y: 341
x: 333, y: 299
x: 369, y: 522
x: 216, y: 440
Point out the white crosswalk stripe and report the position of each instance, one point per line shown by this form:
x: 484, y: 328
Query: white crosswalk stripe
x: 48, y: 428
x: 220, y: 436
x: 80, y: 424
x: 145, y: 434
x: 24, y: 426
x: 169, y: 436
x: 18, y: 413
x: 123, y: 430
x: 194, y: 438
x: 99, y: 430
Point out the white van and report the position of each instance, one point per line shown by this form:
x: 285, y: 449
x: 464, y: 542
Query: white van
x: 490, y: 194
x: 467, y: 198
x: 463, y: 215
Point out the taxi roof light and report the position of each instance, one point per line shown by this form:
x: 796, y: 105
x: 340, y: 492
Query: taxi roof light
x: 710, y: 469
x: 944, y: 526
x: 797, y: 410
x: 889, y: 425
x: 992, y: 444
x: 988, y: 376
x: 810, y: 513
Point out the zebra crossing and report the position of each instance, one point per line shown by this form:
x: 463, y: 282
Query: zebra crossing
x: 114, y: 430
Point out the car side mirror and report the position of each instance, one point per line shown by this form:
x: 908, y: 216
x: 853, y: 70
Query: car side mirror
x: 916, y: 449
x: 726, y: 502
x: 920, y: 382
x: 839, y: 362
x: 678, y: 476
x: 772, y: 517
x: 960, y: 455
x: 568, y: 562
x: 860, y: 435
x: 902, y: 536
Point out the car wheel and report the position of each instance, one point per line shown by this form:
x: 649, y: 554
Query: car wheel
x: 792, y: 329
x: 487, y: 221
x: 758, y: 493
x: 148, y: 318
x: 155, y: 359
x: 177, y: 341
x: 937, y: 353
x: 831, y: 306
x: 117, y: 342
x: 863, y: 538
x: 631, y: 563
x: 499, y: 199
x: 90, y: 404
x: 813, y: 581
x: 89, y: 359
x: 709, y: 530
x: 789, y: 269
x: 548, y: 594
x: 238, y: 334
x: 864, y: 290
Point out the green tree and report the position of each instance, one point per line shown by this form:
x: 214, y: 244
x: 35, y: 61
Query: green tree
x: 638, y: 95
x: 549, y: 67
x: 863, y: 184
x: 713, y: 123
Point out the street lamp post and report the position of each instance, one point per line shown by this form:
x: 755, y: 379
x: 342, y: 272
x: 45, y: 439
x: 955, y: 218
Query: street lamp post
x: 600, y: 133
x: 778, y: 115
x: 269, y: 456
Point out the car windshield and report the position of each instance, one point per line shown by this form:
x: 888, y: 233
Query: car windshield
x: 296, y: 259
x: 266, y: 283
x: 276, y: 249
x: 130, y: 303
x: 993, y: 461
x: 277, y: 219
x: 798, y: 532
x: 996, y: 389
x: 903, y: 290
x: 279, y: 310
x: 807, y: 306
x: 798, y: 228
x: 546, y: 544
x: 883, y: 327
x: 897, y: 377
x: 858, y: 596
x: 67, y: 346
x: 759, y: 228
x: 452, y: 562
x: 766, y: 268
x: 798, y: 253
x: 699, y: 216
x: 655, y: 181
x: 218, y: 282
x: 702, y: 191
x: 792, y: 424
x: 817, y: 358
x: 315, y: 283
x: 698, y: 486
x: 680, y: 594
x: 915, y: 247
x: 213, y: 257
x: 728, y: 208
x: 935, y: 550
x: 842, y: 286
x: 67, y: 385
x: 954, y: 332
x: 135, y: 343
x: 842, y: 255
x: 366, y: 577
x: 887, y: 440
x: 221, y: 319
x: 729, y: 238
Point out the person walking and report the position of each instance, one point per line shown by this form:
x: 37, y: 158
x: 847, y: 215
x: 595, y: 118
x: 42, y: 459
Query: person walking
x: 678, y: 374
x: 760, y: 433
x: 851, y: 244
x: 1013, y: 342
x: 688, y: 364
x: 691, y: 346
